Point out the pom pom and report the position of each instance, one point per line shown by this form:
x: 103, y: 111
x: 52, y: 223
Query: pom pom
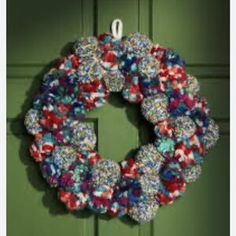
x: 69, y: 63
x: 107, y: 42
x: 93, y: 94
x: 164, y: 129
x: 129, y: 168
x: 63, y: 156
x: 149, y: 86
x: 211, y: 136
x: 73, y: 201
x: 88, y: 157
x: 184, y: 127
x: 171, y: 58
x: 83, y: 136
x: 51, y: 172
x: 75, y: 179
x: 181, y: 104
x: 187, y: 155
x: 149, y: 182
x: 144, y: 210
x: 154, y: 108
x: 172, y: 78
x: 126, y: 194
x: 114, y: 81
x: 105, y: 172
x: 159, y: 52
x: 51, y: 79
x: 100, y: 198
x: 86, y: 47
x: 137, y: 44
x: 193, y: 86
x: 149, y: 161
x: 192, y: 173
x: 42, y: 146
x: 88, y: 70
x: 173, y: 184
x: 32, y: 122
x: 128, y: 64
x: 166, y: 147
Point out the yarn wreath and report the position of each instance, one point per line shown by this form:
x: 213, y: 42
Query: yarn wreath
x: 153, y: 77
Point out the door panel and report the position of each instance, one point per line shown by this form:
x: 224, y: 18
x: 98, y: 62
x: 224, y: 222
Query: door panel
x: 38, y: 33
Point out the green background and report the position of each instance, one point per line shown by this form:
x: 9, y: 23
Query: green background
x: 41, y: 31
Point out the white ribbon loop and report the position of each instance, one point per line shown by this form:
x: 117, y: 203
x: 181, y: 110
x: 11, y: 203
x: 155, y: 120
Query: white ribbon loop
x: 117, y: 28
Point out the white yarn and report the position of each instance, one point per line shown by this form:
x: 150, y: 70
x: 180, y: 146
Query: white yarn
x: 117, y: 28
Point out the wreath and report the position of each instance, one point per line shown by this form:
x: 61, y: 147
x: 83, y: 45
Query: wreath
x: 147, y: 74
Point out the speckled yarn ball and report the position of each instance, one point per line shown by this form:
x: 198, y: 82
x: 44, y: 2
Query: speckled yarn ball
x: 105, y: 172
x: 114, y: 81
x: 86, y: 47
x: 148, y: 159
x: 63, y: 156
x: 211, y: 136
x: 184, y: 127
x: 137, y: 44
x: 32, y: 122
x: 83, y: 136
x: 144, y: 210
x: 192, y: 173
x: 193, y: 86
x: 148, y: 66
x: 154, y: 108
x: 73, y: 201
x: 89, y: 70
x: 150, y: 183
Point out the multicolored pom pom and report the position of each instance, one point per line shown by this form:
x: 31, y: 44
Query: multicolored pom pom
x: 43, y: 145
x: 86, y: 47
x: 88, y: 70
x: 148, y: 159
x: 193, y: 86
x: 166, y: 146
x: 83, y: 136
x: 63, y: 156
x: 114, y: 81
x: 51, y: 172
x: 137, y: 44
x: 144, y: 210
x: 73, y: 201
x: 154, y: 108
x: 184, y: 127
x: 131, y: 91
x: 105, y: 172
x: 211, y: 136
x: 32, y: 122
x: 75, y: 179
x: 192, y: 173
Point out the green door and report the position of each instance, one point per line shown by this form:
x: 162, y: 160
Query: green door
x: 38, y: 32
